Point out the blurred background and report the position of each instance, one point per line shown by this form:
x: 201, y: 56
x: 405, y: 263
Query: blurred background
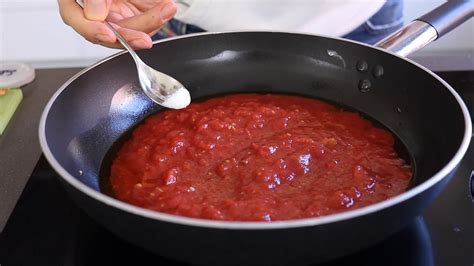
x: 32, y: 31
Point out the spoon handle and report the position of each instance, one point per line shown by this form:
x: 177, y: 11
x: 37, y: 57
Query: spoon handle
x: 119, y: 36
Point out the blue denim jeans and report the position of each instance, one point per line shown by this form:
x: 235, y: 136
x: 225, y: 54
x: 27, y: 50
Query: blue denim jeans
x: 388, y: 19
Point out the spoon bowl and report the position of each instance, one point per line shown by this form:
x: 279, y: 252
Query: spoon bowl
x: 158, y: 86
x: 161, y: 88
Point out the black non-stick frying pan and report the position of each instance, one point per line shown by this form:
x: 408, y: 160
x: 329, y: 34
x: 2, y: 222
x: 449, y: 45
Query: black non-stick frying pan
x: 91, y: 111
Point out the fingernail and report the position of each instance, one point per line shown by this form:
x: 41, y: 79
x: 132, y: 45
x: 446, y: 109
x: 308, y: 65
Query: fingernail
x: 96, y: 9
x: 139, y: 43
x: 104, y: 38
x: 168, y: 11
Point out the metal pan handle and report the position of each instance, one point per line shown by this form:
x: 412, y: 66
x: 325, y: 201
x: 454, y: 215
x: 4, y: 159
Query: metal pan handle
x: 424, y: 30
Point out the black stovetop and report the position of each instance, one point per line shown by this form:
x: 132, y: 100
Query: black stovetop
x: 46, y: 228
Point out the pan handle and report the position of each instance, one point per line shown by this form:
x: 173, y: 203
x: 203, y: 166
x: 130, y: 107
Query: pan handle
x: 426, y: 29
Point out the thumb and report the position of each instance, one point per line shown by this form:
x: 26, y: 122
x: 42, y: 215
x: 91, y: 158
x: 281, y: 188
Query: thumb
x: 97, y: 9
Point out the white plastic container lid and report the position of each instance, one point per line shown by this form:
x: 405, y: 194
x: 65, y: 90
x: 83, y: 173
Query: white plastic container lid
x: 15, y: 75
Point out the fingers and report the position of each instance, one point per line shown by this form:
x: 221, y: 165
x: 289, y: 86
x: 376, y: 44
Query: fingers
x: 144, y: 5
x: 136, y: 39
x: 151, y: 34
x: 121, y: 10
x: 97, y: 9
x: 93, y: 31
x: 152, y: 19
x: 134, y: 29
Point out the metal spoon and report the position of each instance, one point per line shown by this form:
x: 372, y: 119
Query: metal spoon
x: 159, y: 87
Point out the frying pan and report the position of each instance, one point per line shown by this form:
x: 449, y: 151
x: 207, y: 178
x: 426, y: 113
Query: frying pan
x: 92, y: 110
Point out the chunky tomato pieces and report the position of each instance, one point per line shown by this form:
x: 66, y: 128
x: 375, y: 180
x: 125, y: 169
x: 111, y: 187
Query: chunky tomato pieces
x: 252, y: 157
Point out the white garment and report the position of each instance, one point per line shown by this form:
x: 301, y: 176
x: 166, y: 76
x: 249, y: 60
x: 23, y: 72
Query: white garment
x: 325, y: 17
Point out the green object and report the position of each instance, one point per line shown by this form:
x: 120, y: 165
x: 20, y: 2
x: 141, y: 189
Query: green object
x: 9, y: 102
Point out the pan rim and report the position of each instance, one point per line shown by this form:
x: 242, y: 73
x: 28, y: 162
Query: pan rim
x: 240, y: 225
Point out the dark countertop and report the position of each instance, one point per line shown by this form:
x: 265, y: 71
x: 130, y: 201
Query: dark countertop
x: 19, y: 144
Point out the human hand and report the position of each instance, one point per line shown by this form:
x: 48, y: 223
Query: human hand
x: 136, y: 20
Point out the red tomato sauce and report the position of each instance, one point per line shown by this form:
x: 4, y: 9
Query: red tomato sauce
x: 252, y: 157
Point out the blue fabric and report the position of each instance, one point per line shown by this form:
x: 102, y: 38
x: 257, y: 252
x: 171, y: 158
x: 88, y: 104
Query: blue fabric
x: 388, y: 19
